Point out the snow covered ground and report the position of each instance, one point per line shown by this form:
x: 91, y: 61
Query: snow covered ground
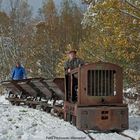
x: 21, y: 123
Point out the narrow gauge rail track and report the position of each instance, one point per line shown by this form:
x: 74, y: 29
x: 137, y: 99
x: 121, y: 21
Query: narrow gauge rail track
x: 121, y: 133
x: 88, y: 134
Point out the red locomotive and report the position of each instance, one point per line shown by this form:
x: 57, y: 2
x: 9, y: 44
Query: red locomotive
x: 94, y: 98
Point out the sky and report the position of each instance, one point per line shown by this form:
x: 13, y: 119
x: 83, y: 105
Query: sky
x: 35, y: 4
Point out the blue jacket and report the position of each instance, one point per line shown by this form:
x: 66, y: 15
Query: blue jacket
x: 18, y: 73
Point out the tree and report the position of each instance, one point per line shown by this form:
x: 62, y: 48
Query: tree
x: 113, y: 36
x: 71, y: 32
x: 55, y: 32
x: 70, y: 21
x: 4, y: 24
x: 46, y: 39
x: 0, y: 4
x: 13, y: 33
x: 20, y: 14
x: 5, y: 44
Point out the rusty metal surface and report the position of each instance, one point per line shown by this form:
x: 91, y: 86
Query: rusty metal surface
x: 102, y: 118
x: 60, y: 83
x: 70, y: 108
x: 35, y: 87
x: 55, y: 88
x: 97, y: 84
x: 99, y: 102
x: 106, y: 87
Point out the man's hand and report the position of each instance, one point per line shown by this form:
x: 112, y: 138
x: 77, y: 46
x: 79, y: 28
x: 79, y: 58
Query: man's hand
x: 69, y: 70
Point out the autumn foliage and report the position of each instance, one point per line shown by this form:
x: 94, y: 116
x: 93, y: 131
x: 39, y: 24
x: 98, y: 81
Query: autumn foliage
x: 108, y: 30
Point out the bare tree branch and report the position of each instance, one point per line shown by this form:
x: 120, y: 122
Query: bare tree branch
x: 0, y: 3
x: 132, y: 5
x: 14, y: 4
x: 129, y: 14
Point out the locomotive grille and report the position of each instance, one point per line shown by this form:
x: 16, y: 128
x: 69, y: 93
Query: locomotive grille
x: 101, y: 83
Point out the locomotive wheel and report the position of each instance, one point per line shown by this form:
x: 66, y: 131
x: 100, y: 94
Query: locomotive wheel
x: 69, y: 117
x: 66, y: 119
x: 74, y: 120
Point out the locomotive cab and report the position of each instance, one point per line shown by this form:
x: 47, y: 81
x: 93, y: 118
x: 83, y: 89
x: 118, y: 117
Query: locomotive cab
x: 94, y: 97
x: 71, y: 88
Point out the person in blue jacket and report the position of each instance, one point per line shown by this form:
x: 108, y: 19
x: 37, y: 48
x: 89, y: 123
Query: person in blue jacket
x: 18, y: 72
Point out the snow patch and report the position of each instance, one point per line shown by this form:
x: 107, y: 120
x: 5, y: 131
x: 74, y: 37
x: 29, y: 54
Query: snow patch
x: 23, y: 123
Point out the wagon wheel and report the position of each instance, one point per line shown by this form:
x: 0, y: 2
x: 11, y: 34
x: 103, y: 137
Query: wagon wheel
x: 23, y: 96
x: 48, y: 110
x: 34, y: 106
x: 61, y: 115
x: 44, y: 108
x: 17, y: 103
x: 29, y: 105
x: 12, y: 102
x: 10, y: 94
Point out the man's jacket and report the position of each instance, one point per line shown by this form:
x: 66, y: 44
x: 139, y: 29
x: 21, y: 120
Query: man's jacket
x: 74, y: 63
x: 18, y: 73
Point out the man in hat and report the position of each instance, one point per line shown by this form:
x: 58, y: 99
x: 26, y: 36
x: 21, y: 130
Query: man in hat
x: 18, y: 72
x: 72, y: 62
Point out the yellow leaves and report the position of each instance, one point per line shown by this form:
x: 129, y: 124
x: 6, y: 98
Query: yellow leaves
x: 108, y: 4
x: 122, y: 42
x: 129, y: 56
x: 4, y: 18
x: 4, y: 24
x: 133, y: 75
x: 114, y: 37
x: 120, y: 33
x: 60, y: 69
x: 60, y: 66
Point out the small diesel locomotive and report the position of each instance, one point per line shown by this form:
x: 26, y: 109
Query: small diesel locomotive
x: 94, y: 98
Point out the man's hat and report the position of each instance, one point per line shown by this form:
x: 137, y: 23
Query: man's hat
x: 17, y: 62
x: 71, y: 51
